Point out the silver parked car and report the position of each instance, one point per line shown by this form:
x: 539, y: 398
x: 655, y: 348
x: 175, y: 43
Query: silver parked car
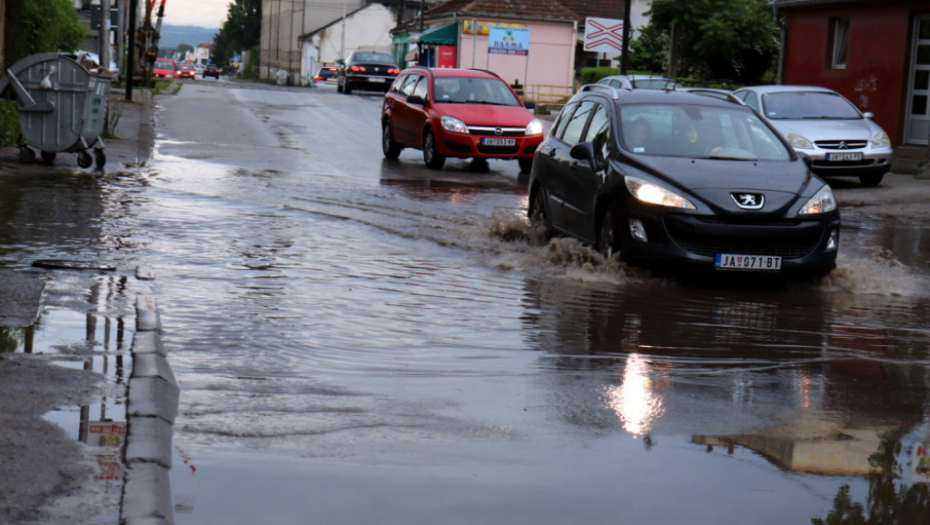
x: 640, y: 82
x: 822, y: 124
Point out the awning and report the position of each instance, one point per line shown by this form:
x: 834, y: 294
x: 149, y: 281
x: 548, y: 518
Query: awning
x: 447, y: 35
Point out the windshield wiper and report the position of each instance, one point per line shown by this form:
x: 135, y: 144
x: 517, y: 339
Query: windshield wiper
x: 723, y: 157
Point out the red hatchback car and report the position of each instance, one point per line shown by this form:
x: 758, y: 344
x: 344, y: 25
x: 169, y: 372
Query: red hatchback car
x: 461, y: 113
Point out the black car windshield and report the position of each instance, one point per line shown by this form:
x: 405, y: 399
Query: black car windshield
x: 376, y: 58
x: 696, y: 131
x: 807, y: 105
x: 472, y: 90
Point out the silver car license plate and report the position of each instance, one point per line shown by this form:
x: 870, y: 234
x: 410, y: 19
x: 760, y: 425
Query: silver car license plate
x: 838, y: 157
x: 755, y: 263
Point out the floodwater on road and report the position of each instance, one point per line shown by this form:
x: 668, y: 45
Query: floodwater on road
x: 358, y: 340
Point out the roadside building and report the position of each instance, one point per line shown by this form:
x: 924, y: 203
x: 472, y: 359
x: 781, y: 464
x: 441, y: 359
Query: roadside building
x: 875, y: 52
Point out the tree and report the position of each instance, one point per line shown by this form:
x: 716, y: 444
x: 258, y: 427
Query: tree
x: 722, y: 39
x: 44, y: 26
x: 649, y: 51
x: 242, y: 30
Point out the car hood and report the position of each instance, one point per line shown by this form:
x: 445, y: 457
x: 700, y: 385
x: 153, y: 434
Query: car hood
x: 714, y: 181
x: 487, y: 114
x: 828, y: 129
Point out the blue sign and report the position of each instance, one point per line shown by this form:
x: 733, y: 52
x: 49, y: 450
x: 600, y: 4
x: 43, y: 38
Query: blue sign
x: 504, y: 40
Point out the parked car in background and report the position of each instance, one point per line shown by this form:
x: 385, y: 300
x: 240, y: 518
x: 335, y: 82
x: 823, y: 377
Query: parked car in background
x: 689, y: 179
x: 326, y: 74
x: 366, y: 70
x: 164, y: 68
x: 186, y: 71
x: 462, y: 113
x: 640, y: 82
x: 823, y: 125
x: 212, y: 70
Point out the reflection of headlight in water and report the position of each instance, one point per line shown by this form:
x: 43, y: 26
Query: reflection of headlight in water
x: 633, y: 401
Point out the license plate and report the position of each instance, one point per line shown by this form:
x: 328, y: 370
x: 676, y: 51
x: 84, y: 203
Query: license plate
x: 375, y: 79
x: 834, y: 157
x: 495, y: 141
x: 759, y: 263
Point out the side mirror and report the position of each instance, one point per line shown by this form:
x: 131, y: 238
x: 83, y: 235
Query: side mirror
x: 869, y: 115
x: 585, y: 151
x: 529, y: 104
x: 416, y: 99
x: 340, y: 62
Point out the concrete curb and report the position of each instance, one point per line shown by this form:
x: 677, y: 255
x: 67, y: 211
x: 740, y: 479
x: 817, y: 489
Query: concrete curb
x: 152, y: 408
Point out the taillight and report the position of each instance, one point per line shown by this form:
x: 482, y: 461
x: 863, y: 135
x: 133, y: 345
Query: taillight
x: 318, y: 77
x: 358, y: 69
x: 394, y: 71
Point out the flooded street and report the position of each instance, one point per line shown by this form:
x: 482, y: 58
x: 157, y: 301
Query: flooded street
x: 361, y: 340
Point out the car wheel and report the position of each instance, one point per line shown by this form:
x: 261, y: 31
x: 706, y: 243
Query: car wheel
x: 871, y: 179
x: 431, y: 157
x: 390, y: 148
x: 347, y: 89
x: 526, y: 165
x: 338, y: 87
x: 538, y: 218
x: 608, y: 241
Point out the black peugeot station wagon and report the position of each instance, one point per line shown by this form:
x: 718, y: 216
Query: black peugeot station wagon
x: 686, y: 178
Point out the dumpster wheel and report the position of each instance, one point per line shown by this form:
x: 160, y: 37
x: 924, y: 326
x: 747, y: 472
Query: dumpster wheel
x: 84, y: 159
x: 100, y: 157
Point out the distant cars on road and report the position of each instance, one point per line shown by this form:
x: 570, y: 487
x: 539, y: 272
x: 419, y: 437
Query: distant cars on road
x: 462, y: 113
x: 164, y: 68
x: 822, y: 124
x: 691, y: 180
x: 366, y: 70
x: 326, y: 74
x: 212, y: 70
x: 186, y: 71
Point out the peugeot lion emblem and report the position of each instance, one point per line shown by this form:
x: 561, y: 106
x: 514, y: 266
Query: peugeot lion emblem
x: 749, y: 201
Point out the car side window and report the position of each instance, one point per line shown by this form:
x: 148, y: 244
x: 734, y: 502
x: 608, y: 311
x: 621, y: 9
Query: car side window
x: 575, y: 127
x: 395, y: 87
x: 564, y: 116
x: 599, y: 132
x: 421, y: 88
x: 407, y: 88
x: 750, y: 99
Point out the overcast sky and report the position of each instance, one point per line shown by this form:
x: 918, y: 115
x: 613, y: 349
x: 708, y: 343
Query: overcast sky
x: 203, y: 13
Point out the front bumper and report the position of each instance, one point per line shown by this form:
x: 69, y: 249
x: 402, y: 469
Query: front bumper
x: 873, y: 160
x: 475, y: 145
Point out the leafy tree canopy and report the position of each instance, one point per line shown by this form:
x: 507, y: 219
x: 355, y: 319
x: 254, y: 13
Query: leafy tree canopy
x: 723, y: 39
x: 46, y: 26
x: 242, y: 30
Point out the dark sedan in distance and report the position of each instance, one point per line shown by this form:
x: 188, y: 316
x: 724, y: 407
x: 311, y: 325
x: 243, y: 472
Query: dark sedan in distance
x: 366, y: 70
x: 689, y: 179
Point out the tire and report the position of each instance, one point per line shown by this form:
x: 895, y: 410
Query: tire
x: 871, y: 179
x: 525, y: 165
x: 390, y: 148
x: 100, y: 158
x: 608, y: 238
x: 48, y: 156
x: 84, y: 159
x: 338, y: 87
x: 347, y: 89
x: 539, y: 220
x: 431, y: 157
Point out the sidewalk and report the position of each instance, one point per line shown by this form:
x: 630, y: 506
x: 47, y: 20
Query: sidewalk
x: 46, y: 476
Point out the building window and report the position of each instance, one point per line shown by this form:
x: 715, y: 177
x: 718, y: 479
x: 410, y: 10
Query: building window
x: 839, y: 40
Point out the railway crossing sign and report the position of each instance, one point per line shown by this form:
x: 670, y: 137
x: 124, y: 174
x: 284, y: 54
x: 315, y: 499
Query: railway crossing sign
x: 603, y: 35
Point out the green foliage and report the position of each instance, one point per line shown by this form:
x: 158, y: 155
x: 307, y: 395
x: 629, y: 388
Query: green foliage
x: 724, y: 39
x: 250, y: 69
x: 9, y: 122
x: 47, y: 26
x: 649, y: 51
x: 242, y: 30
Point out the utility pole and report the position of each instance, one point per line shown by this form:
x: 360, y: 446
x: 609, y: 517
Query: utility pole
x: 131, y: 45
x: 625, y: 56
x: 103, y: 49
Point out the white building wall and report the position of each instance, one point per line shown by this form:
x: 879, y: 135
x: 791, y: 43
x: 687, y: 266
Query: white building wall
x: 368, y: 28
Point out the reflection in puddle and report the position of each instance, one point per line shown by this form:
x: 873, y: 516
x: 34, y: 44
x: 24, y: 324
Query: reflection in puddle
x: 634, y: 401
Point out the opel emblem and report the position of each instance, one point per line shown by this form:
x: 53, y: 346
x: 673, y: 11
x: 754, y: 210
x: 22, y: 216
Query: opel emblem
x: 498, y: 131
x: 749, y: 201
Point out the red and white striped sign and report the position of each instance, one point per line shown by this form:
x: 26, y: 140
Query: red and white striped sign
x: 603, y: 34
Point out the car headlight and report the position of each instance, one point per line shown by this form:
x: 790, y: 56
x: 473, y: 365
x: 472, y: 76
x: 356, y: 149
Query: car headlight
x: 535, y: 127
x: 453, y: 124
x: 797, y: 141
x: 822, y: 202
x: 655, y: 194
x: 881, y: 140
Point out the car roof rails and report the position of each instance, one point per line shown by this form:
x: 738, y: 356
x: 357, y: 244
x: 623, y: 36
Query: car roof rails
x: 612, y: 91
x: 722, y: 94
